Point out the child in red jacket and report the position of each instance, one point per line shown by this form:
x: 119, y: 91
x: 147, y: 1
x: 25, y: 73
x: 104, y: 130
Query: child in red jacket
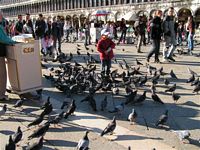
x: 105, y: 47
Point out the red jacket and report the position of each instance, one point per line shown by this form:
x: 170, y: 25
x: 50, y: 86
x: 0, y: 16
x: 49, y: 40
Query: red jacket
x: 103, y: 45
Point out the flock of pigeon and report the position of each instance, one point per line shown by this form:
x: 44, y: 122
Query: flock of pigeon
x: 72, y: 78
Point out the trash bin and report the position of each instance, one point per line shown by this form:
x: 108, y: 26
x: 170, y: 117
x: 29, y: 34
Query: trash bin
x: 24, y: 67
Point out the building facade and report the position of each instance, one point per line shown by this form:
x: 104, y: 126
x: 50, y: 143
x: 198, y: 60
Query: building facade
x: 80, y: 9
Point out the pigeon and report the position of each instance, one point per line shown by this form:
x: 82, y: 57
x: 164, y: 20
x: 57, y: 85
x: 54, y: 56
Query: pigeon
x: 182, y: 134
x: 118, y: 109
x: 37, y: 121
x: 192, y: 72
x: 191, y: 79
x: 19, y: 103
x: 104, y: 103
x: 162, y: 119
x: 78, y: 52
x: 11, y: 144
x: 48, y: 109
x: 171, y: 89
x: 129, y: 148
x: 141, y: 98
x: 40, y: 131
x: 71, y: 109
x: 131, y: 97
x: 46, y: 103
x: 115, y: 90
x: 138, y: 63
x: 57, y: 119
x: 175, y: 97
x: 196, y: 89
x: 17, y: 136
x: 110, y: 127
x: 36, y: 145
x: 166, y: 82
x: 155, y: 97
x: 132, y: 116
x: 195, y: 82
x: 172, y: 74
x: 3, y: 110
x: 83, y: 143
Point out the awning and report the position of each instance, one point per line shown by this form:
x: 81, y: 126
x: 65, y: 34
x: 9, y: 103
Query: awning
x: 130, y: 16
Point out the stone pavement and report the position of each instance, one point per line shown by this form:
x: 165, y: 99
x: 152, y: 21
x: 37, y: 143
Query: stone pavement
x: 183, y: 115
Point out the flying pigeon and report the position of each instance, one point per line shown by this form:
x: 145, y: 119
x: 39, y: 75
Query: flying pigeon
x: 162, y: 119
x: 17, y: 136
x: 132, y: 116
x: 83, y: 144
x: 36, y: 145
x: 110, y: 127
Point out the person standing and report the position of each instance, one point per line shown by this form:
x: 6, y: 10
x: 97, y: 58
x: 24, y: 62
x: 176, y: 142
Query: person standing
x: 19, y: 26
x: 180, y: 33
x: 169, y: 36
x: 105, y: 48
x: 123, y: 29
x: 191, y: 29
x: 155, y: 34
x: 140, y: 27
x: 4, y: 40
x: 40, y: 27
x: 29, y: 25
x: 87, y: 33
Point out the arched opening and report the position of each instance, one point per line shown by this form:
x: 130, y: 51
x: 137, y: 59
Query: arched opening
x: 197, y: 17
x: 82, y: 19
x: 75, y: 20
x: 68, y: 18
x: 183, y: 14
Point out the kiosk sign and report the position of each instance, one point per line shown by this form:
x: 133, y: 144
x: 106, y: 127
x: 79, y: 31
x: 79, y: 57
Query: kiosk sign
x: 28, y: 49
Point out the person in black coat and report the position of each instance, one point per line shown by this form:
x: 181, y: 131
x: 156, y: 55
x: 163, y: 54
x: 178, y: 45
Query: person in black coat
x: 156, y: 32
x: 40, y: 27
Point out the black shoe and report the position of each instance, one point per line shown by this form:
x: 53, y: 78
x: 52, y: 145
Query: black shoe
x: 171, y: 58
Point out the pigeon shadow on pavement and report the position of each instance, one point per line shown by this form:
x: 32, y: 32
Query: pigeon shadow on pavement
x: 6, y: 132
x: 62, y: 143
x: 134, y: 137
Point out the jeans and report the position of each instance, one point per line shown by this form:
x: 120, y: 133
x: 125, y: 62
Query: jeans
x: 55, y: 39
x: 105, y: 66
x: 123, y: 36
x: 180, y: 39
x: 190, y: 42
x: 169, y: 40
x: 87, y: 37
x: 155, y: 49
x: 141, y: 38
